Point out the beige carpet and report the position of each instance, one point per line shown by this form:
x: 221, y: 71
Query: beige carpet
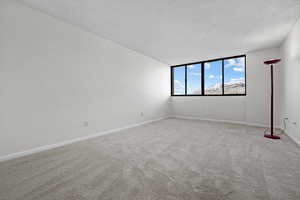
x: 165, y: 160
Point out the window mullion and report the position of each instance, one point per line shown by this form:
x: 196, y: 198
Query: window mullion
x: 222, y: 76
x: 185, y: 80
x: 172, y: 81
x: 202, y: 78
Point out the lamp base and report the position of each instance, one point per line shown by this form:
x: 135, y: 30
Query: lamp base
x: 275, y: 137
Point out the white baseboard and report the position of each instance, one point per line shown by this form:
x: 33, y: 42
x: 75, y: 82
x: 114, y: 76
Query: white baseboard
x: 225, y: 121
x: 52, y: 146
x: 296, y: 140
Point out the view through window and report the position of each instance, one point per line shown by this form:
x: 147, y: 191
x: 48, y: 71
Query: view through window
x: 224, y: 76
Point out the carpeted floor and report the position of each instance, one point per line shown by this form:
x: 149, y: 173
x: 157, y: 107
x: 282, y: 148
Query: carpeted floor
x: 165, y: 160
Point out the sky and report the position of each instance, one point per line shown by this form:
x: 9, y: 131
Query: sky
x: 234, y: 71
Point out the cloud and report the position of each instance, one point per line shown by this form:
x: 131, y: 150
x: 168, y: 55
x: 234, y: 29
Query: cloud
x: 231, y: 61
x: 237, y: 69
x: 211, y: 76
x: 207, y: 66
x: 241, y: 60
x: 235, y: 62
x: 178, y: 84
x: 178, y: 87
x: 237, y: 79
x: 191, y: 66
x: 194, y: 74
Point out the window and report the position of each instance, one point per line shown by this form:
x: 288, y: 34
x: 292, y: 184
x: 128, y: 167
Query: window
x: 213, y: 77
x: 193, y: 79
x: 179, y: 80
x: 219, y: 77
x: 234, y: 74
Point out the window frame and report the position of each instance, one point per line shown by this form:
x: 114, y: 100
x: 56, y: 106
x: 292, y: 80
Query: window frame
x: 203, y: 77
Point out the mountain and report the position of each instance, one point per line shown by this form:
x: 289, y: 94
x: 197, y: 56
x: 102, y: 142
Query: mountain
x: 234, y: 87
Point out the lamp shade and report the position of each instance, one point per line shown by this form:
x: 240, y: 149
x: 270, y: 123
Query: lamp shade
x: 272, y: 61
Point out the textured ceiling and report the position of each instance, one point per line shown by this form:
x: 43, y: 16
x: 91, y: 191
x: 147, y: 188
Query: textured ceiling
x: 180, y: 31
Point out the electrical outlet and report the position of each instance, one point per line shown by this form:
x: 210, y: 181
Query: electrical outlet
x: 285, y: 123
x: 142, y: 114
x: 85, y: 123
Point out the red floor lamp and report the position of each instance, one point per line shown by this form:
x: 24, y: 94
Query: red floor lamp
x: 271, y: 134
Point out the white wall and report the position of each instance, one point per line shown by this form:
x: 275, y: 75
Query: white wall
x: 291, y: 82
x: 55, y: 76
x: 253, y: 108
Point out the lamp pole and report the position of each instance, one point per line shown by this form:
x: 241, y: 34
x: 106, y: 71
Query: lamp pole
x: 271, y: 134
x: 272, y: 102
